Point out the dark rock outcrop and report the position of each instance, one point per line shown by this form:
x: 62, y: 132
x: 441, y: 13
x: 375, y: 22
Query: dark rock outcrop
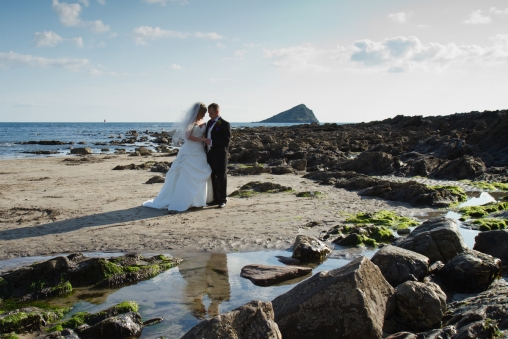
x: 297, y: 114
x: 310, y: 249
x: 471, y: 271
x: 399, y: 265
x: 252, y: 320
x: 84, y: 150
x: 125, y: 325
x: 494, y: 243
x: 438, y: 239
x: 347, y: 302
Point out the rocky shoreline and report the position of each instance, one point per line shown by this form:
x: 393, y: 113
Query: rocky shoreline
x: 425, y: 284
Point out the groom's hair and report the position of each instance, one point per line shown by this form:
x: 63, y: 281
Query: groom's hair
x: 214, y: 106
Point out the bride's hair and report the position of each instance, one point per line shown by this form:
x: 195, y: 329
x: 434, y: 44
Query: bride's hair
x: 183, y: 127
x: 201, y: 112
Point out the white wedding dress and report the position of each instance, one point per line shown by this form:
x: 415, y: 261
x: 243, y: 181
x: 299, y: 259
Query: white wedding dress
x: 188, y: 183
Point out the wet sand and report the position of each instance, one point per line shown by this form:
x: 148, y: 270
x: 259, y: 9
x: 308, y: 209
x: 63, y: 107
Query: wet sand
x: 61, y: 205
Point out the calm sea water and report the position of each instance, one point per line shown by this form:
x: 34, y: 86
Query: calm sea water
x: 12, y: 134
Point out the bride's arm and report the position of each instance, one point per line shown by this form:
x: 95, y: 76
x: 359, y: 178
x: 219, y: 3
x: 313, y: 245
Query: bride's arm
x: 198, y: 139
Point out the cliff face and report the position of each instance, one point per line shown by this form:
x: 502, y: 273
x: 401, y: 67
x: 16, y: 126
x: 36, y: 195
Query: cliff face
x: 297, y: 114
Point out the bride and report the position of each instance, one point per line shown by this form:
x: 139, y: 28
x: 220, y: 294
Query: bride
x: 187, y: 182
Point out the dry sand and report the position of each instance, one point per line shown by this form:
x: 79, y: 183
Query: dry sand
x: 61, y: 204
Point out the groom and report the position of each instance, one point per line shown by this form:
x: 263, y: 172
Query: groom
x: 218, y: 133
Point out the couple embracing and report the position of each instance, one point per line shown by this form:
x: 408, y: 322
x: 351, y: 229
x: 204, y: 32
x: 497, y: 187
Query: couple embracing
x: 198, y: 175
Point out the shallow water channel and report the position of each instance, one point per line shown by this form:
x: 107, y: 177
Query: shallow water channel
x: 204, y: 284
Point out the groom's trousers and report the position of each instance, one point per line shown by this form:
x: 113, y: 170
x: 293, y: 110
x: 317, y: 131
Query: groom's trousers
x: 218, y: 163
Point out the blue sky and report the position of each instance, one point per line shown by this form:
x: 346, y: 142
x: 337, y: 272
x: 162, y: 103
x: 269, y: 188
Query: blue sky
x: 348, y: 61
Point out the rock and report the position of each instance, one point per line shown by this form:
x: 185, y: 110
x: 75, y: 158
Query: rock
x: 162, y: 167
x: 471, y: 271
x: 466, y: 167
x: 370, y: 163
x: 105, y: 149
x: 135, y: 154
x: 27, y: 319
x: 298, y: 114
x: 288, y: 260
x: 347, y: 302
x: 156, y: 179
x: 494, y: 243
x: 402, y: 335
x: 279, y: 170
x: 143, y: 151
x: 447, y: 332
x: 399, y: 265
x: 265, y: 275
x: 307, y: 249
x: 161, y: 140
x: 252, y: 320
x: 478, y: 330
x: 116, y: 327
x: 299, y: 164
x: 438, y: 239
x: 403, y: 231
x: 84, y: 150
x: 419, y: 306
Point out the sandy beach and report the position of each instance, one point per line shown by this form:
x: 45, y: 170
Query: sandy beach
x: 62, y: 204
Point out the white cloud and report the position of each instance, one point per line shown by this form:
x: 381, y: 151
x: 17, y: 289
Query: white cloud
x: 477, y: 18
x: 400, y: 17
x: 495, y: 10
x: 240, y: 53
x: 211, y: 35
x: 395, y: 55
x: 77, y: 41
x: 13, y: 60
x: 86, y: 3
x: 176, y: 66
x: 219, y: 45
x: 143, y: 33
x: 47, y: 39
x: 69, y: 15
x: 164, y: 2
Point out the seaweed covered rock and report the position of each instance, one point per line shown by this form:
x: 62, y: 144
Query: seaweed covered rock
x: 347, y: 302
x: 471, y: 271
x: 438, y: 239
x: 368, y: 235
x: 399, y: 265
x: 310, y: 249
x: 59, y: 275
x: 255, y: 187
x: 419, y: 306
x: 252, y: 320
x: 29, y: 319
x: 494, y: 243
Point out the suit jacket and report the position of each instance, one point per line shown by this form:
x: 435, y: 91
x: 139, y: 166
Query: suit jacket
x: 221, y: 135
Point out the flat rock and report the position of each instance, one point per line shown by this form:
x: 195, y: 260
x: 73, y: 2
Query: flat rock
x: 265, y: 275
x: 308, y: 249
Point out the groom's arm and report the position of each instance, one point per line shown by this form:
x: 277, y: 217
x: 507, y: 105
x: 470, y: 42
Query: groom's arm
x: 225, y: 136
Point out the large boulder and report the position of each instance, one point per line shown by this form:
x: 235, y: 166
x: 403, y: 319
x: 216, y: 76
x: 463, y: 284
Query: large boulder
x: 143, y: 150
x: 438, y: 239
x: 399, y: 265
x: 370, y: 163
x: 471, y: 271
x: 308, y: 249
x: 465, y: 167
x: 265, y: 275
x: 252, y: 320
x: 494, y: 243
x: 419, y: 306
x: 81, y: 150
x: 118, y: 327
x: 347, y: 302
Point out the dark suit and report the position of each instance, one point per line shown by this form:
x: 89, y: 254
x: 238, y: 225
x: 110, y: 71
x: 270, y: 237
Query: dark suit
x: 217, y: 158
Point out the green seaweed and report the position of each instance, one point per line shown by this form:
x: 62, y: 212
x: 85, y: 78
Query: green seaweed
x: 308, y: 194
x: 243, y: 193
x: 455, y: 191
x: 487, y: 224
x: 75, y: 321
x: 481, y: 211
x: 381, y: 234
x: 382, y: 218
x: 9, y: 336
x: 3, y: 282
x: 56, y: 328
x: 489, y: 186
x: 64, y: 287
x: 127, y: 306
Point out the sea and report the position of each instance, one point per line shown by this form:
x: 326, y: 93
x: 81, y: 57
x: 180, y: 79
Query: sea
x: 13, y: 134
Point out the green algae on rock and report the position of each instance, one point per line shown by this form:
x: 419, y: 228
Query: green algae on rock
x: 29, y: 319
x: 382, y: 218
x: 488, y: 224
x: 482, y: 211
x: 368, y: 235
x: 490, y: 186
x: 454, y: 190
x: 309, y: 194
x: 256, y: 187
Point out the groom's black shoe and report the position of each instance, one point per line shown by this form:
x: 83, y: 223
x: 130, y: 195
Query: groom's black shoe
x: 213, y: 203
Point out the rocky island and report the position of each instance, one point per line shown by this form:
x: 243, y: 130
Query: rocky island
x: 297, y: 114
